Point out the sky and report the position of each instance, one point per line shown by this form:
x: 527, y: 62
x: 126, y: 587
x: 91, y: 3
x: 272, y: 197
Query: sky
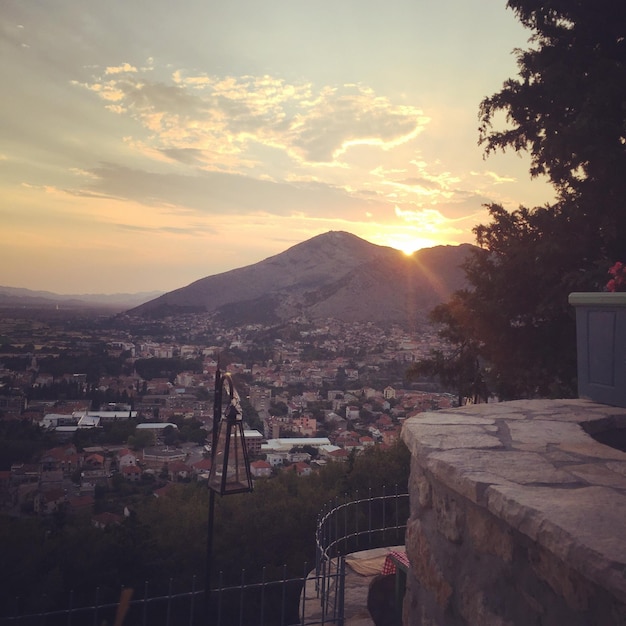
x: 147, y: 144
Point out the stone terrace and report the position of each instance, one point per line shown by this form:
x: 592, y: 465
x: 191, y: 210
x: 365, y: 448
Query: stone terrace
x: 518, y: 516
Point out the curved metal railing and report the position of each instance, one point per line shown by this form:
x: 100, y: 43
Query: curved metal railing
x: 352, y: 525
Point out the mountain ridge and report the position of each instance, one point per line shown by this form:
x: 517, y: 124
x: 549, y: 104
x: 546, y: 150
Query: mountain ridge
x: 335, y: 274
x: 29, y: 298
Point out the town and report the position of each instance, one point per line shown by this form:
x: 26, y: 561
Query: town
x: 123, y: 400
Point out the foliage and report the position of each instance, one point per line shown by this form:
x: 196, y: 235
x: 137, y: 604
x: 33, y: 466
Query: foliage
x: 567, y: 108
x: 279, y: 408
x: 458, y: 368
x: 115, y: 433
x: 285, y: 510
x: 250, y: 414
x: 95, y: 363
x: 517, y: 317
x: 20, y: 440
x: 166, y: 537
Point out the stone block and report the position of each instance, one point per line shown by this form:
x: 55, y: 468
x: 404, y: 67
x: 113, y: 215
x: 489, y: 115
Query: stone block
x: 489, y: 536
x: 564, y: 581
x: 423, y: 565
x: 420, y: 488
x: 450, y: 516
x: 474, y: 606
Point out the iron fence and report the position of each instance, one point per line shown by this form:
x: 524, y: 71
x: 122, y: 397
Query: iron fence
x: 350, y: 525
x: 315, y: 598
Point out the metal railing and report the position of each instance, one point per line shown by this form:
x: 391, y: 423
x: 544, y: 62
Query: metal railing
x: 352, y: 525
x: 314, y: 598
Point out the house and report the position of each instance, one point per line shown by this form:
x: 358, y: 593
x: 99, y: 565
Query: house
x: 80, y: 504
x: 48, y: 502
x: 390, y: 435
x: 300, y: 468
x: 62, y: 458
x: 326, y: 450
x: 94, y: 461
x: 25, y: 473
x: 260, y: 469
x: 131, y: 473
x: 202, y: 469
x: 338, y: 455
x: 352, y: 412
x: 126, y: 457
x: 336, y: 421
x: 276, y: 458
x: 298, y: 457
x: 102, y: 520
x: 178, y: 470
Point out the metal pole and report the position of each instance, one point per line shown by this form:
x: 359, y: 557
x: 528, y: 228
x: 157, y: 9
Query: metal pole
x: 209, y: 549
x: 217, y: 410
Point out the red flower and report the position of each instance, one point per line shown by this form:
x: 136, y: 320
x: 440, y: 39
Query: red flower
x: 618, y: 282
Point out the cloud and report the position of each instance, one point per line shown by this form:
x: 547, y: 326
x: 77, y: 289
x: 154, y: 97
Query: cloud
x: 194, y: 230
x: 420, y: 182
x: 219, y: 193
x: 227, y: 114
x: 189, y: 156
x: 350, y: 116
x: 261, y: 145
x: 119, y: 69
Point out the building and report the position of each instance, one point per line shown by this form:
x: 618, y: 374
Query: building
x: 254, y: 441
x: 156, y: 458
x: 260, y: 469
x: 286, y: 445
x: 156, y: 428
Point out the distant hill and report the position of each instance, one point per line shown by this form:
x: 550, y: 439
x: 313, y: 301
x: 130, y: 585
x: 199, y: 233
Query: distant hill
x: 15, y: 297
x: 334, y: 275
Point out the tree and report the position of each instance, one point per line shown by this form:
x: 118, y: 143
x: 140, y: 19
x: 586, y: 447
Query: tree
x: 141, y: 439
x: 459, y: 367
x: 567, y: 108
x: 279, y: 408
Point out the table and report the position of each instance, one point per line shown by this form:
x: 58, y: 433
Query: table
x: 397, y: 562
x: 394, y: 560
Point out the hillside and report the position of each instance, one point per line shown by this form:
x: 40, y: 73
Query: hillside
x: 336, y: 275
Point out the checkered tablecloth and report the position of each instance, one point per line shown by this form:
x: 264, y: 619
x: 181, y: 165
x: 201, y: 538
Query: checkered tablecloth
x: 394, y: 557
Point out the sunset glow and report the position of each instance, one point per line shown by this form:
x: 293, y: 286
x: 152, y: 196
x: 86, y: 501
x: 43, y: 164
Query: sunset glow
x: 409, y: 245
x: 188, y: 143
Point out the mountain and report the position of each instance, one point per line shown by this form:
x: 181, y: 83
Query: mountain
x: 334, y: 275
x: 26, y: 298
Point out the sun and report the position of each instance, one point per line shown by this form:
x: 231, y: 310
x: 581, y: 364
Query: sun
x: 409, y: 244
x: 407, y: 249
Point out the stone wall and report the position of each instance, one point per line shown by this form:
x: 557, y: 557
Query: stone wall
x: 518, y: 517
